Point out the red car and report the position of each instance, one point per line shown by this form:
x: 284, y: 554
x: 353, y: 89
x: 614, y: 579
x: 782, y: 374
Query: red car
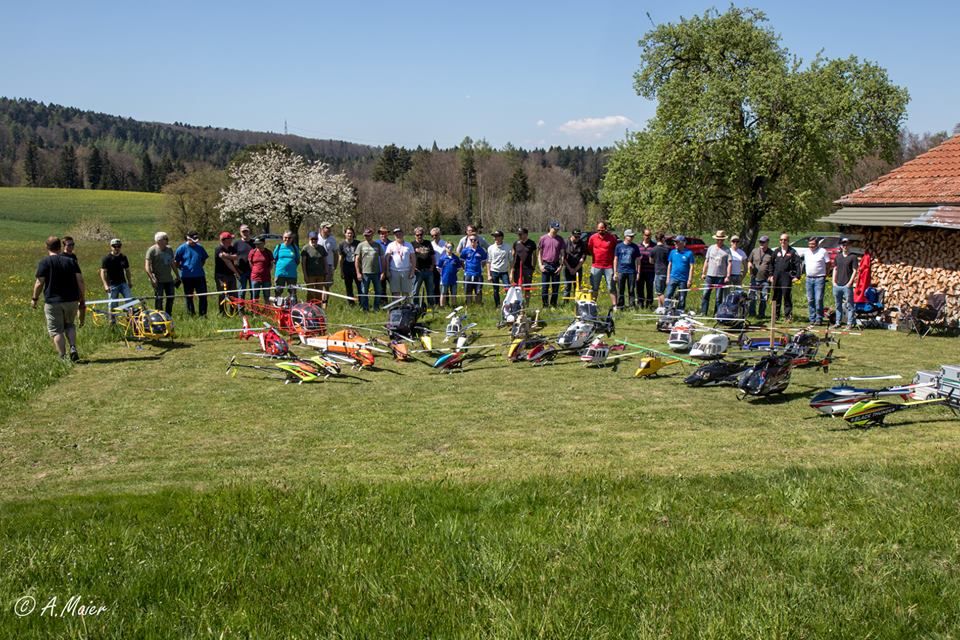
x: 694, y: 244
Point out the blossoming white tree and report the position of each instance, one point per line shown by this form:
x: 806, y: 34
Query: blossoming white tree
x: 276, y: 184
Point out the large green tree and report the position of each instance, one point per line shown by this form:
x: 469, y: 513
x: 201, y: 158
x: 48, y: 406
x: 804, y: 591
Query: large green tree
x: 744, y: 134
x: 393, y: 164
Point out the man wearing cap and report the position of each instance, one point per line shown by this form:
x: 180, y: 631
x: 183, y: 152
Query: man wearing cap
x: 472, y: 230
x: 329, y: 243
x: 550, y: 251
x: 573, y: 258
x: 384, y: 241
x: 738, y: 258
x: 844, y: 277
x: 815, y: 262
x: 158, y: 263
x: 261, y: 266
x: 498, y: 265
x: 474, y: 257
x: 426, y: 266
x: 400, y: 258
x: 62, y: 284
x: 438, y: 244
x: 602, y: 246
x: 760, y: 266
x: 625, y: 259
x: 243, y: 244
x: 524, y: 251
x: 660, y: 256
x: 647, y: 271
x: 716, y: 272
x: 786, y: 271
x: 680, y: 268
x: 189, y: 258
x: 315, y: 262
x: 225, y: 270
x: 371, y: 270
x: 115, y: 275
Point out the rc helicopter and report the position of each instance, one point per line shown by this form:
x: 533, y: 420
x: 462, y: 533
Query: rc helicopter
x: 838, y: 399
x: 585, y: 326
x: 867, y: 413
x: 650, y: 366
x: 139, y: 322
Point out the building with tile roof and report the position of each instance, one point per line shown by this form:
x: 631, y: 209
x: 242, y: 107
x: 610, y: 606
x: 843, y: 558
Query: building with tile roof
x: 909, y: 220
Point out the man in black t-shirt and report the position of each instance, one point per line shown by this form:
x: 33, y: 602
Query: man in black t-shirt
x: 426, y: 264
x: 115, y: 275
x: 225, y: 271
x: 573, y: 259
x: 844, y: 275
x: 524, y: 253
x: 660, y: 257
x: 59, y: 278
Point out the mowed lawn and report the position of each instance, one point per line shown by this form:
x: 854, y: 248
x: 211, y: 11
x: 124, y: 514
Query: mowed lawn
x: 505, y: 501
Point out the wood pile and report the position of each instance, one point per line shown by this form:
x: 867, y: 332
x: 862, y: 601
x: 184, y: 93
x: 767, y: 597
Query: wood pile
x: 909, y: 264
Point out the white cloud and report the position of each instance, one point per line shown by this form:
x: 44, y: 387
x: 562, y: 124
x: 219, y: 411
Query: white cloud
x: 540, y: 123
x: 595, y: 127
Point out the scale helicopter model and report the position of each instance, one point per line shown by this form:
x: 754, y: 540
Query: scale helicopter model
x: 346, y: 342
x: 838, y: 399
x: 868, y: 413
x: 272, y: 344
x: 404, y: 314
x: 285, y: 313
x: 717, y: 373
x: 139, y: 322
x: 297, y: 370
x: 650, y: 366
x: 585, y: 326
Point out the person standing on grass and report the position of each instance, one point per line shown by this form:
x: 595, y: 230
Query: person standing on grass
x: 573, y: 259
x: 347, y: 257
x: 647, y: 272
x: 261, y: 265
x: 163, y: 276
x: 815, y: 262
x: 738, y: 258
x: 225, y: 272
x: 660, y: 257
x: 472, y: 230
x: 189, y: 258
x: 474, y: 257
x: 244, y: 245
x: 371, y: 271
x: 286, y: 259
x: 313, y: 261
x: 844, y: 277
x: 715, y: 273
x: 680, y: 268
x: 602, y: 246
x: 498, y: 265
x: 626, y: 256
x: 786, y: 271
x: 68, y: 245
x: 115, y: 275
x: 329, y: 243
x: 550, y: 251
x: 524, y: 251
x: 438, y: 244
x: 760, y: 266
x: 60, y: 280
x: 384, y: 242
x: 401, y: 263
x: 449, y: 265
x: 426, y: 265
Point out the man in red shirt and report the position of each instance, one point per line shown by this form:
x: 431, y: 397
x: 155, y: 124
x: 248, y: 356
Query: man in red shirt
x: 601, y: 246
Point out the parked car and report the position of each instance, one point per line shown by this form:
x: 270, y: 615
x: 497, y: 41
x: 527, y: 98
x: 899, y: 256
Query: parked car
x: 696, y: 245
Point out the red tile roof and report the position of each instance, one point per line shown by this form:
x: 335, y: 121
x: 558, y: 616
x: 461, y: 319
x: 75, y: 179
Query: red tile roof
x: 931, y: 178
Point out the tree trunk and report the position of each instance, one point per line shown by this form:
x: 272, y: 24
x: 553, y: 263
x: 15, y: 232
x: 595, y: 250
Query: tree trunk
x: 755, y: 214
x: 293, y: 224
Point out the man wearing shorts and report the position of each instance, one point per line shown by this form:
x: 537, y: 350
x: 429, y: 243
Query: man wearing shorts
x: 601, y: 246
x: 400, y: 258
x: 62, y: 284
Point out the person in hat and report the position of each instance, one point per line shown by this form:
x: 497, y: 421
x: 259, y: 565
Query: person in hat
x: 261, y: 266
x: 760, y: 267
x: 715, y: 272
x: 244, y: 245
x: 115, y: 275
x: 314, y: 260
x: 474, y: 258
x: 286, y: 259
x: 573, y: 257
x: 550, y: 251
x: 329, y: 242
x: 602, y: 246
x: 61, y: 282
x: 426, y: 266
x: 844, y: 277
x: 499, y: 257
x: 660, y: 256
x: 815, y: 264
x: 371, y: 270
x: 647, y: 273
x: 399, y: 255
x: 680, y: 269
x: 738, y: 259
x: 163, y: 276
x: 189, y: 258
x: 225, y: 270
x: 626, y: 258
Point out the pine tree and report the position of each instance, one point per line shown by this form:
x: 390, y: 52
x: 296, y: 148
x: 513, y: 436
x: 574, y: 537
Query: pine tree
x: 393, y: 164
x: 68, y: 173
x: 519, y: 190
x: 95, y: 168
x: 468, y: 172
x: 31, y: 164
x: 147, y: 176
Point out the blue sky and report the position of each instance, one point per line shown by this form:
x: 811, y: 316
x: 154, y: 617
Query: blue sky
x: 531, y: 73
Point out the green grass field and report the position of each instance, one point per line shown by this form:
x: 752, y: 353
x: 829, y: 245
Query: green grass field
x: 505, y: 501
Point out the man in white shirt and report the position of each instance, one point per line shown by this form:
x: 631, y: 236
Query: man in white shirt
x: 329, y: 243
x: 472, y: 231
x: 815, y: 262
x: 716, y: 272
x: 400, y: 256
x: 738, y: 259
x: 438, y: 250
x: 499, y: 259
